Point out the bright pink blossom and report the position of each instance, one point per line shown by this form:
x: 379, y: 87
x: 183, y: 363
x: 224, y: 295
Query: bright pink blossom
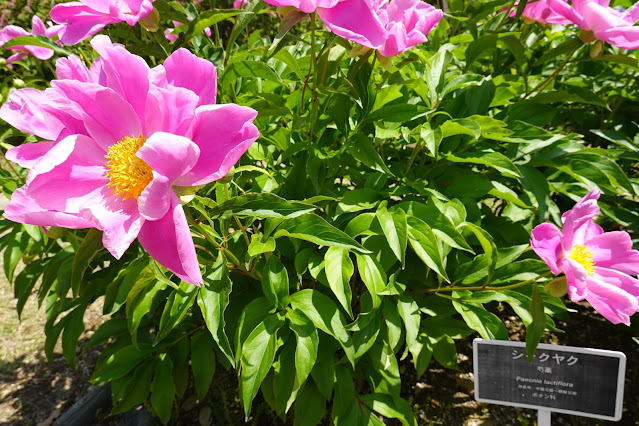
x: 117, y: 143
x: 597, y: 265
x: 37, y: 28
x: 354, y: 20
x: 85, y: 18
x: 539, y: 11
x: 603, y: 22
x: 407, y: 22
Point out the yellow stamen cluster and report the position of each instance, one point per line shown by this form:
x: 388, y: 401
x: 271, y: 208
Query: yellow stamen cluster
x: 583, y: 256
x: 128, y: 175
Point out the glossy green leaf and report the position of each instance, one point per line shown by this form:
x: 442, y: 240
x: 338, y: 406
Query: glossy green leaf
x: 202, y: 361
x: 395, y: 229
x: 260, y: 206
x: 339, y: 270
x: 316, y: 230
x: 535, y: 330
x: 90, y: 246
x: 163, y: 389
x: 275, y: 281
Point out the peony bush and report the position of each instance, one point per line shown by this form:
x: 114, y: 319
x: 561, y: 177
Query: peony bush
x: 315, y: 195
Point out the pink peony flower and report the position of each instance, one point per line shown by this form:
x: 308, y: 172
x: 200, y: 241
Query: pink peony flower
x: 37, y: 28
x: 238, y: 4
x: 85, y: 18
x: 539, y: 11
x: 597, y: 265
x: 168, y: 33
x: 407, y: 22
x: 339, y: 17
x: 117, y: 145
x: 598, y: 21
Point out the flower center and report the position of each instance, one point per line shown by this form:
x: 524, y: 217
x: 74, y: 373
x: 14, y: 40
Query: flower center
x: 128, y: 175
x: 583, y: 256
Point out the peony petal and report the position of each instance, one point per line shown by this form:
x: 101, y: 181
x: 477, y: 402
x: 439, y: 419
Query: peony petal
x: 546, y: 242
x: 72, y: 68
x: 575, y: 278
x: 623, y: 37
x: 37, y: 26
x: 81, y: 21
x: 125, y: 73
x: 613, y: 250
x: 169, y: 241
x: 612, y: 302
x: 108, y: 118
x: 184, y: 69
x: 24, y: 111
x: 169, y: 155
x: 28, y: 154
x: 23, y: 209
x: 366, y: 30
x: 562, y: 8
x: 10, y: 32
x: 223, y: 133
x: 70, y: 176
x: 578, y: 225
x: 170, y: 110
x: 155, y: 200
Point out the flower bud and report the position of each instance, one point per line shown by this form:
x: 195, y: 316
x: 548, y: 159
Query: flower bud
x: 587, y: 36
x: 151, y: 22
x: 357, y: 50
x: 596, y: 49
x: 228, y: 177
x: 557, y: 287
x: 18, y: 83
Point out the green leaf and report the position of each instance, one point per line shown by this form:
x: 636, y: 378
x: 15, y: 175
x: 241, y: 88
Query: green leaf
x: 213, y: 299
x: 260, y: 206
x: 362, y: 149
x: 422, y: 352
x: 90, y: 246
x: 203, y: 21
x: 140, y: 298
x: 389, y: 407
x: 250, y: 69
x: 310, y: 406
x: 252, y: 315
x: 461, y: 126
x: 176, y: 308
x: 398, y: 113
x: 339, y: 270
x: 364, y: 338
x: 395, y: 229
x: 136, y: 388
x: 163, y: 389
x: 373, y: 275
x: 121, y: 362
x: 288, y: 21
x: 307, y: 343
x: 536, y: 329
x: 495, y: 160
x: 202, y: 362
x: 14, y: 252
x: 71, y: 334
x: 314, y: 229
x: 487, y: 243
x: 36, y: 40
x: 275, y: 282
x: 323, y: 312
x: 436, y: 72
x: 487, y: 324
x: 424, y: 243
x: 444, y: 351
x: 409, y: 311
x: 116, y: 292
x: 258, y: 353
x: 258, y: 247
x: 251, y: 7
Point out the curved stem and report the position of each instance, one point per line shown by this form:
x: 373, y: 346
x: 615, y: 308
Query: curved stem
x: 485, y: 287
x: 541, y: 86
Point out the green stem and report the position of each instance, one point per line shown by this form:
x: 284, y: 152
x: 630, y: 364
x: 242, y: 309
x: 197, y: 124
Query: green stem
x: 485, y: 287
x: 541, y: 86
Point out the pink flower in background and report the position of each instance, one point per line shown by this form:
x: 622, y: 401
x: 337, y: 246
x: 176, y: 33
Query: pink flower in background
x: 85, y: 18
x: 37, y: 28
x: 407, y: 22
x: 597, y: 264
x: 598, y: 21
x: 238, y: 4
x: 118, y: 143
x: 539, y: 11
x: 168, y: 33
x: 354, y: 20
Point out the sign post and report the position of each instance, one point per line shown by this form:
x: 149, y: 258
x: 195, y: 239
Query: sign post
x: 563, y: 379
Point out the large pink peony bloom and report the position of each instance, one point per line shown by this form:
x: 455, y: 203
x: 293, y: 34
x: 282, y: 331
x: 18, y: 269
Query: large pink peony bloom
x: 598, y: 21
x: 117, y: 145
x: 597, y: 265
x: 539, y: 11
x: 85, y: 18
x: 407, y: 22
x: 37, y: 28
x: 354, y: 20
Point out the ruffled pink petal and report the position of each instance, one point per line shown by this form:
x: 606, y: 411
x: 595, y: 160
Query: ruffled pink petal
x: 170, y: 157
x: 546, y: 242
x: 42, y: 53
x: 539, y: 11
x: 184, y: 69
x: 81, y: 21
x: 16, y: 57
x: 600, y: 18
x: 562, y: 8
x: 618, y: 279
x: 613, y: 250
x: 131, y: 11
x: 306, y: 6
x: 28, y: 154
x: 169, y: 241
x: 612, y: 302
x: 632, y: 15
x: 70, y: 176
x: 168, y: 34
x: 119, y: 220
x: 107, y: 117
x: 10, y: 32
x: 223, y: 133
x: 24, y: 111
x: 626, y: 38
x: 575, y: 278
x: 125, y: 73
x: 578, y: 225
x: 170, y: 110
x: 72, y: 68
x: 23, y: 209
x: 37, y: 26
x: 366, y: 30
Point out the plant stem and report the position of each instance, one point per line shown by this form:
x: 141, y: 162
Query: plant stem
x: 541, y: 86
x: 484, y: 287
